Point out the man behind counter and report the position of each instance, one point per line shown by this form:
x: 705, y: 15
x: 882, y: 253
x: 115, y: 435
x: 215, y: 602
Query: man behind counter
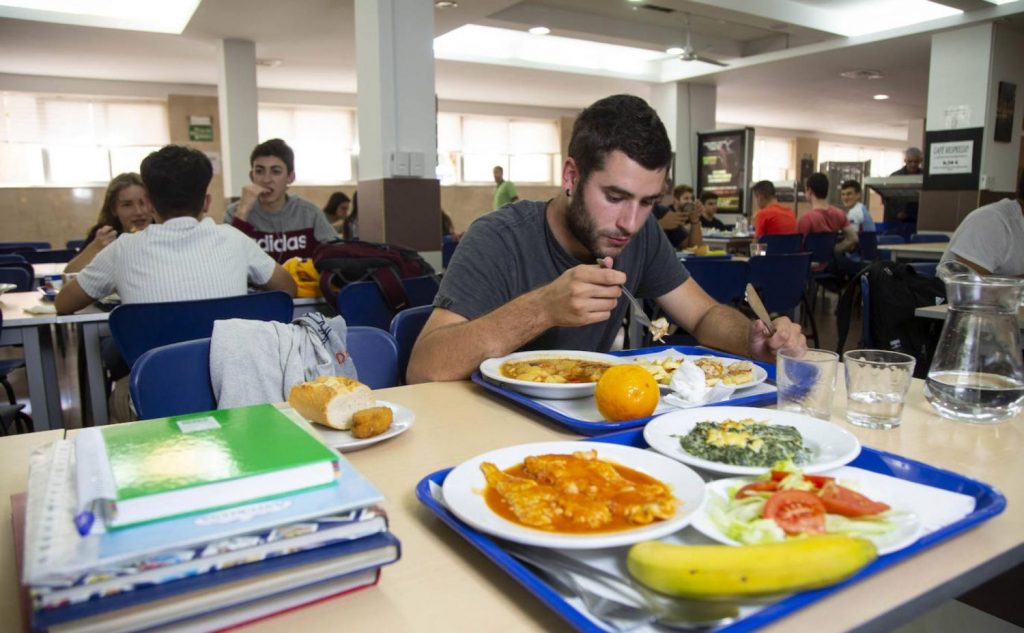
x: 547, y: 275
x: 900, y: 214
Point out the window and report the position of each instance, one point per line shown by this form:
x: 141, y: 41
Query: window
x: 469, y: 147
x: 323, y: 139
x: 773, y: 159
x: 64, y: 140
x: 884, y: 160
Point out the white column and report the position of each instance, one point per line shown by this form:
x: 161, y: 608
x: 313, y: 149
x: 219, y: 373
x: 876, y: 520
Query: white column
x: 236, y: 102
x: 685, y: 109
x: 395, y: 66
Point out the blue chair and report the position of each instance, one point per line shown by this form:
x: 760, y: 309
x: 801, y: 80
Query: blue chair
x: 891, y: 238
x: 781, y: 280
x: 12, y: 258
x: 406, y: 327
x: 921, y: 238
x: 17, y: 276
x: 781, y: 243
x: 375, y: 354
x: 448, y: 245
x: 75, y: 245
x: 925, y: 269
x: 173, y: 380
x: 421, y: 290
x: 865, y: 307
x: 13, y: 412
x: 725, y: 279
x: 867, y: 243
x: 362, y: 302
x: 17, y: 247
x: 140, y: 327
x: 51, y: 256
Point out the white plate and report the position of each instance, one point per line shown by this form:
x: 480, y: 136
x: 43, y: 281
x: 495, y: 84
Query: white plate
x: 464, y: 494
x: 491, y: 369
x: 830, y: 446
x: 343, y: 440
x: 7, y: 288
x: 760, y: 374
x: 874, y: 485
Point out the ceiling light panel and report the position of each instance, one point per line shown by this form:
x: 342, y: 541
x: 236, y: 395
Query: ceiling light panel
x: 165, y: 16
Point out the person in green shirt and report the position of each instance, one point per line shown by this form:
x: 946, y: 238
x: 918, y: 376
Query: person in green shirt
x: 506, y: 192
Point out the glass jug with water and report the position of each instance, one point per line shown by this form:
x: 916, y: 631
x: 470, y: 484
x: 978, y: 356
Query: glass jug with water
x: 977, y: 374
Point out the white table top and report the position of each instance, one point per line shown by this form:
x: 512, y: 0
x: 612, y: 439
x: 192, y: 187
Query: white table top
x: 921, y: 247
x: 939, y: 312
x: 14, y: 304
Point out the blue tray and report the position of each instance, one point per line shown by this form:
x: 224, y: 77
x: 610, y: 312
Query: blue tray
x: 988, y: 503
x: 585, y: 427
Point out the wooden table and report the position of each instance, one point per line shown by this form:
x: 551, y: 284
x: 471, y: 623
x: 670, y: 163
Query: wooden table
x: 443, y: 584
x: 923, y: 250
x: 32, y: 332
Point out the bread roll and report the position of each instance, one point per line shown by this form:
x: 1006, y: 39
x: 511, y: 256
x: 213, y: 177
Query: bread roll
x: 330, y: 400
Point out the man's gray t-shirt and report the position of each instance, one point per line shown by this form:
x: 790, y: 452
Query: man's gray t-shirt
x: 512, y: 251
x: 991, y: 236
x: 294, y: 231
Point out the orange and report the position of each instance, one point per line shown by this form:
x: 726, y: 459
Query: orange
x: 626, y: 392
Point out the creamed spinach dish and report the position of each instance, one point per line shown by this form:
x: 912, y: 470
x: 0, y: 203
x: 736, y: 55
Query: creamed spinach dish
x: 745, y: 443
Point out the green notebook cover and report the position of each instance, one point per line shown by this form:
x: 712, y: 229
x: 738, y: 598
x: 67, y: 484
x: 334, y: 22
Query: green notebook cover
x: 182, y: 464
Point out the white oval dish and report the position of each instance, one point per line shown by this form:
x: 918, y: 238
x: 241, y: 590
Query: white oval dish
x: 491, y: 370
x: 343, y: 440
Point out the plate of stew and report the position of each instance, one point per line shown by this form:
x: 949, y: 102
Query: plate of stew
x: 550, y: 374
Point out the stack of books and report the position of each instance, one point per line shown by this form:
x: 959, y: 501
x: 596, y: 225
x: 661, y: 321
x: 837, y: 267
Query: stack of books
x: 199, y: 522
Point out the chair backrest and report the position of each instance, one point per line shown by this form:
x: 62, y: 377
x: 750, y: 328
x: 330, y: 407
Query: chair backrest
x: 12, y: 258
x: 865, y: 310
x: 363, y: 303
x: 448, y: 244
x: 891, y: 238
x: 421, y: 290
x: 780, y: 280
x: 375, y: 354
x: 925, y: 269
x: 406, y: 327
x: 16, y: 275
x: 919, y: 238
x: 821, y: 246
x: 725, y: 279
x: 173, y: 380
x: 75, y: 245
x: 782, y: 243
x: 867, y: 243
x: 15, y: 247
x: 140, y: 327
x: 51, y: 256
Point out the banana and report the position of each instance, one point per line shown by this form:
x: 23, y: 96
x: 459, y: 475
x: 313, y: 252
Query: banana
x: 706, y: 571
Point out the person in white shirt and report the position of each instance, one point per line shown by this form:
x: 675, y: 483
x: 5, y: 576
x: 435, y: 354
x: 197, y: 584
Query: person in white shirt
x: 180, y: 258
x: 991, y: 238
x: 856, y: 212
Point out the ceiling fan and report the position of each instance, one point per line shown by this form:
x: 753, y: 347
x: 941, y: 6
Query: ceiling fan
x: 690, y: 55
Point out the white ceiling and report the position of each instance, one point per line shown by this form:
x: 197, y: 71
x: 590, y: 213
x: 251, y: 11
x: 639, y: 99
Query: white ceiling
x: 784, y: 73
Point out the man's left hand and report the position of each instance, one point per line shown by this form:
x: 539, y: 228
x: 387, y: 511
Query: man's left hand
x: 787, y: 335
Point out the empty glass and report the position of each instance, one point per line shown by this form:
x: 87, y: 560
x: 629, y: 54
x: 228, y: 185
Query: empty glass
x: 877, y: 382
x: 806, y: 380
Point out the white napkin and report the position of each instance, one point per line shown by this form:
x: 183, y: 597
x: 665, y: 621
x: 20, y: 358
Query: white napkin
x: 719, y: 392
x: 41, y: 308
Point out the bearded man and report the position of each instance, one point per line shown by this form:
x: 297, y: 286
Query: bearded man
x: 548, y: 275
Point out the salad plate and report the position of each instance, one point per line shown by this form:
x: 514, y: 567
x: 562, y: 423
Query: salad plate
x: 828, y: 445
x: 464, y: 487
x: 721, y: 518
x: 490, y: 369
x: 344, y: 440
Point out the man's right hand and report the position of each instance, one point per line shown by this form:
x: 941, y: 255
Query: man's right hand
x: 582, y: 295
x: 251, y: 192
x: 672, y: 220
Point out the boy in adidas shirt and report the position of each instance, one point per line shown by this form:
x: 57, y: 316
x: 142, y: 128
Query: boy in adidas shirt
x: 284, y: 226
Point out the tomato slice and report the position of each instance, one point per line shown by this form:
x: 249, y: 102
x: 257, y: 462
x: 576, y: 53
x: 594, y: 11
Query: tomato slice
x: 796, y: 512
x: 849, y: 503
x: 756, y: 487
x: 817, y: 480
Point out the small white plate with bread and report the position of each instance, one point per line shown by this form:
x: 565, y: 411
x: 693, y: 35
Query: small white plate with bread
x: 345, y: 413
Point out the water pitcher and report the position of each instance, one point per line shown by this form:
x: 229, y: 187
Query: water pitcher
x: 977, y: 374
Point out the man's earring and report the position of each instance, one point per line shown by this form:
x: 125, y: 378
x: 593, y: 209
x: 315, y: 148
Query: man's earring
x: 568, y: 193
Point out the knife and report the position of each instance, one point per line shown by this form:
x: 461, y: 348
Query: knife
x: 754, y: 301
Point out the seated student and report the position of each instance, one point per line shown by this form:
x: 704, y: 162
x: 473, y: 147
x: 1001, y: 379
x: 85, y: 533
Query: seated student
x: 771, y: 217
x: 991, y: 238
x: 547, y: 275
x: 709, y: 202
x: 825, y: 218
x: 679, y: 221
x: 125, y: 209
x: 350, y: 228
x: 336, y: 210
x: 856, y: 212
x: 180, y: 258
x: 284, y: 226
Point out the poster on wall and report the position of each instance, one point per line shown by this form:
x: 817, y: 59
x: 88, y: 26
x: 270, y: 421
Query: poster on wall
x: 723, y: 166
x: 1005, y: 103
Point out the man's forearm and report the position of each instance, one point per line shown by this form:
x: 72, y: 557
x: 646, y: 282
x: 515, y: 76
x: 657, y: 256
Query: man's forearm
x: 726, y: 329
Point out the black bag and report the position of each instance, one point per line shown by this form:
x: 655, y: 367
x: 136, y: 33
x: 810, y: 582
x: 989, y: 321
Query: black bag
x: 895, y: 290
x: 346, y: 261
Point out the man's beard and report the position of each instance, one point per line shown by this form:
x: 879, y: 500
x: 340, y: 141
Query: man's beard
x: 581, y: 225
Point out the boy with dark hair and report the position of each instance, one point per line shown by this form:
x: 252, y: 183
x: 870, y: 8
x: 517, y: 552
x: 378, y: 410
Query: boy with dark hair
x: 770, y: 218
x: 284, y: 226
x: 825, y: 218
x: 856, y: 212
x: 548, y: 275
x: 709, y: 202
x: 180, y: 258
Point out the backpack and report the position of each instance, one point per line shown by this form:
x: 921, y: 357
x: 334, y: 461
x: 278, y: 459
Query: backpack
x: 347, y: 261
x: 895, y: 290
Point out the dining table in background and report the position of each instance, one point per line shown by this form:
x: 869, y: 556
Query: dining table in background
x: 442, y: 583
x: 735, y: 244
x: 915, y: 250
x: 42, y: 271
x: 33, y: 333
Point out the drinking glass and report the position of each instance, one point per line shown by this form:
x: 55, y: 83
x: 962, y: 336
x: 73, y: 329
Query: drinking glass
x: 806, y: 380
x: 758, y: 248
x: 877, y: 382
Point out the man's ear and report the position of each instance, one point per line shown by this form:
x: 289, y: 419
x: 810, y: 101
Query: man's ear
x: 251, y: 179
x: 570, y: 175
x: 291, y: 177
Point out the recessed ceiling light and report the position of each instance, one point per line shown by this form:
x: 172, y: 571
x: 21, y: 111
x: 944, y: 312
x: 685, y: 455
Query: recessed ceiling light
x: 167, y: 16
x: 880, y: 97
x: 862, y: 74
x: 445, y: 4
x: 539, y: 30
x: 675, y: 50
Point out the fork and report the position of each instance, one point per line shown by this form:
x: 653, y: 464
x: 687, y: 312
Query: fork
x: 638, y: 309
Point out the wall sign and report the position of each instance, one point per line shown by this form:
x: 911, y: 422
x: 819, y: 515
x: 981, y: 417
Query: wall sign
x: 952, y: 159
x: 200, y: 128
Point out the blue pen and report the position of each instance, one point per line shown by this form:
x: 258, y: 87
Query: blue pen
x: 84, y: 521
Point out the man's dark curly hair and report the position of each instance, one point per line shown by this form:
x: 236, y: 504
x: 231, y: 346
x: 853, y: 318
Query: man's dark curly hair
x: 620, y: 122
x: 176, y: 179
